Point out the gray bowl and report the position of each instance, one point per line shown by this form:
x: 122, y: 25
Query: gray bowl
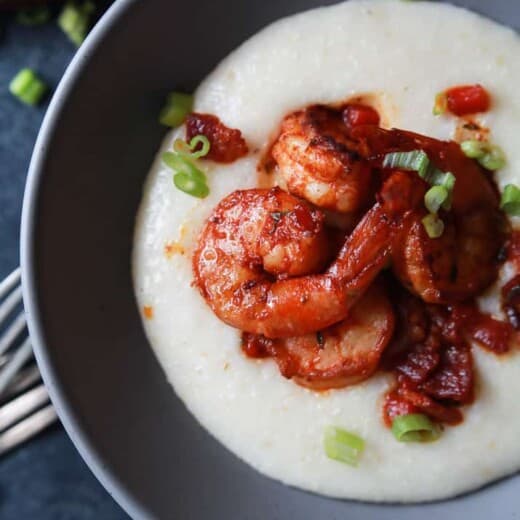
x: 94, y: 149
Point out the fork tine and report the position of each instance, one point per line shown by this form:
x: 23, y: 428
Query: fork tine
x: 10, y: 281
x: 12, y: 332
x: 27, y: 428
x: 14, y: 364
x: 10, y: 303
x: 25, y: 379
x: 22, y: 406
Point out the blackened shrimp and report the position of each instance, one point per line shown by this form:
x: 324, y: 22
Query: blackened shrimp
x: 319, y: 161
x: 463, y: 260
x: 255, y: 238
x: 341, y: 355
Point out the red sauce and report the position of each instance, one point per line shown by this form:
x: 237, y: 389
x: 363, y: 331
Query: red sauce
x: 511, y: 301
x: 357, y: 114
x: 227, y: 144
x: 468, y: 99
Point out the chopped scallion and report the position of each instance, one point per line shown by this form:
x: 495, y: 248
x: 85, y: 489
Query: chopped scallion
x: 342, y: 445
x: 205, y: 148
x: 414, y: 427
x: 28, y: 87
x: 441, y: 104
x: 34, y: 16
x: 494, y: 159
x: 510, y: 201
x: 178, y: 106
x: 187, y: 150
x: 490, y: 156
x: 191, y: 185
x: 474, y: 149
x: 433, y: 225
x: 75, y: 19
x: 435, y: 197
x: 416, y: 160
x: 181, y: 164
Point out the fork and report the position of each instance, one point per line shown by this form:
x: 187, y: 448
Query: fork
x: 25, y: 408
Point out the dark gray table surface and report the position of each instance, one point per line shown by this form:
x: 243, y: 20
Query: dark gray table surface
x: 46, y: 478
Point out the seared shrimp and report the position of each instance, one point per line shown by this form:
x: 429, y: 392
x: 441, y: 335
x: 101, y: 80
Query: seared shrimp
x: 320, y: 163
x: 463, y: 261
x: 343, y: 354
x: 255, y: 238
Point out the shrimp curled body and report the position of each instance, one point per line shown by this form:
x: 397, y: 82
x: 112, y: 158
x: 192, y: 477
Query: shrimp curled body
x: 319, y: 162
x: 256, y: 253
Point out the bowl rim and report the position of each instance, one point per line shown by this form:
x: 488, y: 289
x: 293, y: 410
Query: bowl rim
x: 68, y: 416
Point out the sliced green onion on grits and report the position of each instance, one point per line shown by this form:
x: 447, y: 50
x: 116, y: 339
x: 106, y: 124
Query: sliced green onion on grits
x: 187, y: 176
x: 342, y: 445
x: 184, y: 149
x: 510, y: 201
x: 178, y: 106
x: 415, y: 427
x: 191, y: 185
x: 440, y: 106
x: 490, y: 156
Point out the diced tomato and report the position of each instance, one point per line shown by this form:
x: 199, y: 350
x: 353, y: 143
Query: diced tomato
x: 356, y: 115
x: 226, y: 144
x: 468, y: 99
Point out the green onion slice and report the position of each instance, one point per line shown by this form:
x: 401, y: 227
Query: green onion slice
x: 416, y: 160
x: 435, y: 197
x: 75, y: 19
x: 186, y: 150
x: 494, y: 159
x: 28, y: 87
x: 441, y: 104
x: 191, y: 185
x: 181, y: 164
x: 178, y: 106
x: 510, y: 201
x: 433, y: 225
x: 415, y: 427
x: 474, y: 149
x: 342, y: 445
x: 490, y: 156
x: 206, y: 146
x: 34, y: 16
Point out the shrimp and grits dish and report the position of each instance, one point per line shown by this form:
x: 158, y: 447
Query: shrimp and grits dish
x: 326, y: 256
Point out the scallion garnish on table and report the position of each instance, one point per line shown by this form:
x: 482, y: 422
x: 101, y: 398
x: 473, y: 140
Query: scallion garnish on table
x: 187, y: 176
x: 75, y: 19
x: 35, y: 16
x: 415, y: 427
x: 343, y: 446
x: 28, y: 87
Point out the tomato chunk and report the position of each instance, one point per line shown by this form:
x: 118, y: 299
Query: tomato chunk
x: 468, y: 99
x: 356, y: 115
x: 227, y: 144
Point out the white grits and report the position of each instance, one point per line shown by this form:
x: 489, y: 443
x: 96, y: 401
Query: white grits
x: 407, y: 52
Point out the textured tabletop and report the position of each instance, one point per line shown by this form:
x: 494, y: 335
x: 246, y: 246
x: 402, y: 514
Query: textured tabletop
x: 45, y: 479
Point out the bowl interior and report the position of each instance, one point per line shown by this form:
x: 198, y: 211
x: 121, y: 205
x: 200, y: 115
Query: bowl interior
x: 85, y: 185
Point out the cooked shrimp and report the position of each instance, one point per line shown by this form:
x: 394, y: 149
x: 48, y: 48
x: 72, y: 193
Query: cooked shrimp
x: 463, y: 261
x: 320, y: 163
x: 255, y: 238
x: 343, y: 354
